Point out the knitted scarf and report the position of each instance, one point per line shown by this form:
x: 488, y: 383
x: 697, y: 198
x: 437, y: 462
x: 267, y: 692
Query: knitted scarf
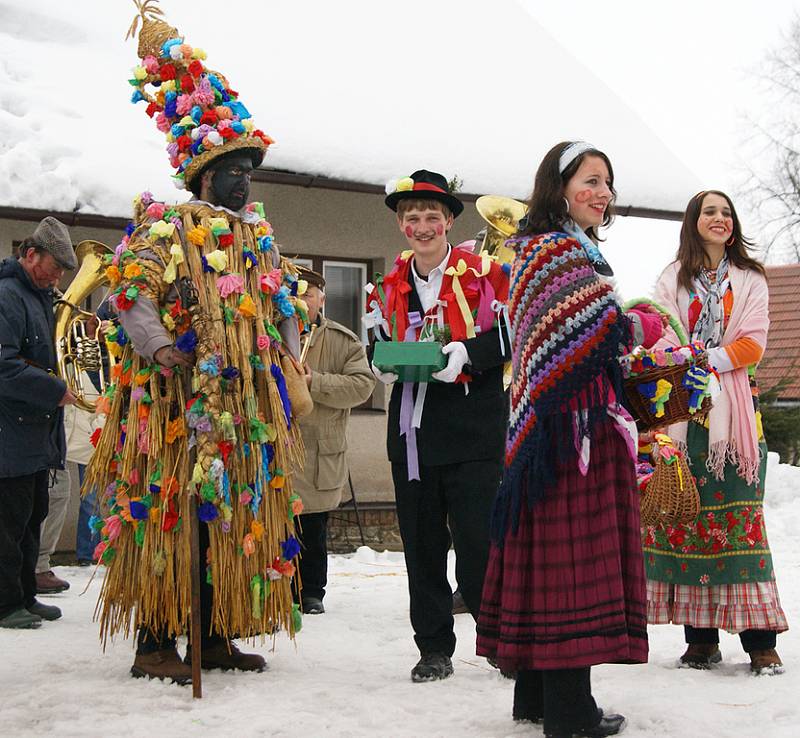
x: 567, y: 332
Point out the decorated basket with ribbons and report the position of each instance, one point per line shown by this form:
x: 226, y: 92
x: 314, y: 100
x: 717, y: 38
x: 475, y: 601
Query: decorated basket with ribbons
x: 664, y: 386
x: 669, y: 494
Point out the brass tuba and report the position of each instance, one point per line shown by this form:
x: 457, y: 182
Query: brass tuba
x: 502, y: 214
x: 78, y: 350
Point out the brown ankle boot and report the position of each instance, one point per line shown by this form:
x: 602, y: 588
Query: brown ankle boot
x: 225, y: 655
x: 766, y: 661
x: 164, y: 664
x: 701, y: 655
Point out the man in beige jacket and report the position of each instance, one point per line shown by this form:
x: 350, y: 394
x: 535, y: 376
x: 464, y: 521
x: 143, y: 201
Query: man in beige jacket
x: 339, y: 378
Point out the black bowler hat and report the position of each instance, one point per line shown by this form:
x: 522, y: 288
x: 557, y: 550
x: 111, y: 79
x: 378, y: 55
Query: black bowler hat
x: 424, y: 185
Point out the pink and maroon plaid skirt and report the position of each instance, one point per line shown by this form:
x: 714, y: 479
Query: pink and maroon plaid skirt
x: 731, y: 607
x: 567, y: 590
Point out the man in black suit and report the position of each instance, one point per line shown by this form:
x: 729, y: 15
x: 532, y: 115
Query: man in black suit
x: 445, y: 438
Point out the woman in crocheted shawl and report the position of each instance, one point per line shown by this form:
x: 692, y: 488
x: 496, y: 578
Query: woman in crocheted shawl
x: 565, y: 586
x: 716, y: 572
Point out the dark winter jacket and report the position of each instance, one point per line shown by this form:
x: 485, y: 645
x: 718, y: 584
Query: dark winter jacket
x: 31, y: 422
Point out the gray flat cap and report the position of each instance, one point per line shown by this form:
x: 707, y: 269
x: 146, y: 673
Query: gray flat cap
x: 52, y: 235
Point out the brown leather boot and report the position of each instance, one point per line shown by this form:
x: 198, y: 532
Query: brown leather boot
x: 226, y: 656
x: 701, y: 655
x: 165, y: 664
x: 766, y: 661
x: 49, y: 583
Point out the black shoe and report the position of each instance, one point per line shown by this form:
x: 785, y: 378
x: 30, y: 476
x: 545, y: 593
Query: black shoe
x: 20, y: 619
x: 313, y: 606
x: 84, y: 563
x: 608, y: 725
x: 45, y: 612
x: 431, y: 667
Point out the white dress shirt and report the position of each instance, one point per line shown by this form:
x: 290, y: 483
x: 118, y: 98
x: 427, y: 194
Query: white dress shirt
x: 428, y: 289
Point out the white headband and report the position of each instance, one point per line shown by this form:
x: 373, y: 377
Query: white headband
x: 572, y: 152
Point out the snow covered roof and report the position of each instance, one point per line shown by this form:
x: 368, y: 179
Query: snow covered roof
x: 354, y: 90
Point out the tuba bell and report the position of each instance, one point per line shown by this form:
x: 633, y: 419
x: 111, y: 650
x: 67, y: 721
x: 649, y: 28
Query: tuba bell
x: 77, y: 349
x: 502, y: 215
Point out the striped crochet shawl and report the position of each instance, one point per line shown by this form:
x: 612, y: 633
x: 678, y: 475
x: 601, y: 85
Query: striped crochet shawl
x: 568, y: 331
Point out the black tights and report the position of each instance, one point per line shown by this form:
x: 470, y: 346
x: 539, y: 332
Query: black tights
x: 562, y: 697
x: 752, y: 640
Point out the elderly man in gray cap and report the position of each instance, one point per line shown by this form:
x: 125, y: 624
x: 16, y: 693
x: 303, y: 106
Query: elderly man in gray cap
x: 32, y: 398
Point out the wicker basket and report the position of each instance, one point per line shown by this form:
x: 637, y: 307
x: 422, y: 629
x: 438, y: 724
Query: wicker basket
x: 671, y: 495
x: 676, y: 409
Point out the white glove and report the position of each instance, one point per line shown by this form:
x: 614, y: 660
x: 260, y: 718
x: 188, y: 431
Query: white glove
x: 457, y: 356
x: 385, y: 377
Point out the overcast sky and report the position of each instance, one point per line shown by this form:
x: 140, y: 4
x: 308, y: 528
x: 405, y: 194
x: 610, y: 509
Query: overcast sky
x: 689, y: 69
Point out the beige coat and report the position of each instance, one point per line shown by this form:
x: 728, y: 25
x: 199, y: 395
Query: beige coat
x: 340, y: 380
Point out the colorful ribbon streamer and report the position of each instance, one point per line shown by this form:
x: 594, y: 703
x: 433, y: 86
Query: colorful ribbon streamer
x: 407, y: 427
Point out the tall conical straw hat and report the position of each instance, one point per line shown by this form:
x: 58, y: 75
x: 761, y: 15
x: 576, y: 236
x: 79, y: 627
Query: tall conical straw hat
x: 194, y: 106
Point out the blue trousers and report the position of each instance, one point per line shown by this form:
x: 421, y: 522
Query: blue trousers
x: 86, y: 539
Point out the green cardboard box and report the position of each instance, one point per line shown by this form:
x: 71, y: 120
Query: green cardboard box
x: 412, y: 361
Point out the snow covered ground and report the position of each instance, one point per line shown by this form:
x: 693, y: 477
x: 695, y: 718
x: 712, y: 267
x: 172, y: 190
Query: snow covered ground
x: 348, y: 674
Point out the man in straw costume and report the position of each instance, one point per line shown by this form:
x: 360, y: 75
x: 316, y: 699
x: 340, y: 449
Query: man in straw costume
x: 199, y: 402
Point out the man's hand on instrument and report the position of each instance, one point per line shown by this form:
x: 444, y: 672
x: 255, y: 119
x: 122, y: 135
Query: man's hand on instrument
x: 92, y: 325
x: 307, y: 373
x: 457, y: 356
x: 68, y: 399
x: 170, y: 357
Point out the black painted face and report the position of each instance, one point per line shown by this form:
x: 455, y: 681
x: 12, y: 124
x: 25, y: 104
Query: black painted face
x: 230, y: 181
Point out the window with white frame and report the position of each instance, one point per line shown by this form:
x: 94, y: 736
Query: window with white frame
x: 344, y: 294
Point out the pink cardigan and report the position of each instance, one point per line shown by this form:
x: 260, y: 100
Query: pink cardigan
x: 732, y: 424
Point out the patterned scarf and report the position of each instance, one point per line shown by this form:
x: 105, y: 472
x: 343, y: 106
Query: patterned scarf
x: 710, y: 323
x: 567, y: 330
x: 601, y: 266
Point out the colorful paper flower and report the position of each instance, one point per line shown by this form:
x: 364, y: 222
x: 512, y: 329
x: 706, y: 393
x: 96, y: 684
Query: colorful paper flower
x: 230, y: 283
x: 217, y: 260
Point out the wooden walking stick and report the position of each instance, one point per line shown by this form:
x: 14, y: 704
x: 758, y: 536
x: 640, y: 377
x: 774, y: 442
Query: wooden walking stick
x: 189, y: 300
x: 196, y: 629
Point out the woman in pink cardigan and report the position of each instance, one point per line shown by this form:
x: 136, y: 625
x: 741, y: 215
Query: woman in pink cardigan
x: 716, y: 572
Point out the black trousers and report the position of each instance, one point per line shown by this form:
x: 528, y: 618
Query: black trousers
x: 752, y: 640
x: 461, y: 495
x: 313, y: 536
x: 562, y: 697
x: 23, y: 507
x: 149, y: 641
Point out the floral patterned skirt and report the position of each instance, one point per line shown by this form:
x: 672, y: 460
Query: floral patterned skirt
x: 715, y: 572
